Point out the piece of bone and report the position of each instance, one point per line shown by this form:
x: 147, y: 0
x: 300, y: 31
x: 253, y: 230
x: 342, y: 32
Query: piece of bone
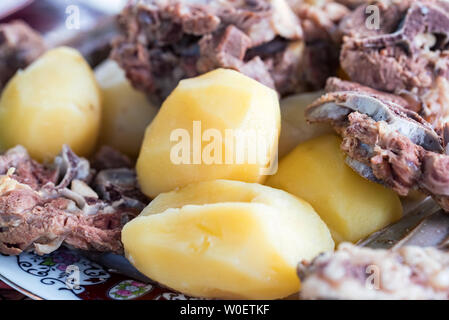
x: 406, y: 54
x: 387, y: 143
x: 336, y: 106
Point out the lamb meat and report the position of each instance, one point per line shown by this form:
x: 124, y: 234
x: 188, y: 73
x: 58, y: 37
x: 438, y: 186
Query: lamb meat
x: 352, y: 4
x: 319, y: 19
x: 19, y: 46
x: 44, y: 206
x: 408, y: 54
x: 387, y: 143
x: 356, y: 273
x: 166, y: 41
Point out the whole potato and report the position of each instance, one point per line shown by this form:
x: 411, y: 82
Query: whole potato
x: 351, y: 206
x: 54, y: 101
x: 226, y: 239
x: 126, y: 111
x: 295, y: 128
x: 220, y: 125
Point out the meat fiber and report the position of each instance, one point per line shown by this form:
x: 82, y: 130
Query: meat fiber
x: 360, y: 273
x: 43, y: 206
x: 166, y: 41
x: 407, y: 54
x: 386, y: 142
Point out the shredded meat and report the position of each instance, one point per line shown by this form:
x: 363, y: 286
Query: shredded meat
x: 407, y: 55
x: 166, y: 41
x: 395, y: 160
x: 351, y: 272
x: 163, y: 42
x: 42, y: 206
x: 319, y: 19
x: 353, y: 3
x: 385, y: 142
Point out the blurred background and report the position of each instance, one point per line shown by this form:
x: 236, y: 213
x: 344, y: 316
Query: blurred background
x: 87, y: 25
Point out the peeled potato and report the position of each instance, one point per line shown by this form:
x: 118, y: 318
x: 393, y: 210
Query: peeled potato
x: 220, y: 125
x: 126, y: 111
x: 54, y: 101
x: 351, y: 206
x: 226, y: 239
x: 295, y: 128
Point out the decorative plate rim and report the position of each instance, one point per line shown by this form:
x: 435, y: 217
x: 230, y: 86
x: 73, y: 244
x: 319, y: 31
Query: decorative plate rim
x: 51, y: 276
x: 20, y: 289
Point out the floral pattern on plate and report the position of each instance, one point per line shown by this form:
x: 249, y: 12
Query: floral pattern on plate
x: 129, y: 289
x: 63, y: 274
x: 64, y: 269
x: 51, y: 277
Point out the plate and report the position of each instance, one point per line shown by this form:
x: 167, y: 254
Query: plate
x: 49, y: 277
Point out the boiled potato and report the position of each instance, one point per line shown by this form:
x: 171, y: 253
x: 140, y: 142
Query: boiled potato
x: 220, y: 125
x: 226, y: 239
x: 295, y: 128
x: 351, y: 206
x: 54, y: 101
x: 126, y: 111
